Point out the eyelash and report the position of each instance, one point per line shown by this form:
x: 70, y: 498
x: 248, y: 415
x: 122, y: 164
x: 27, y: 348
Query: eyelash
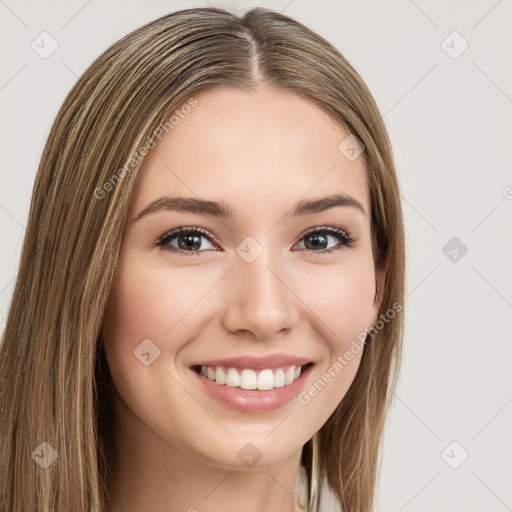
x: 343, y: 236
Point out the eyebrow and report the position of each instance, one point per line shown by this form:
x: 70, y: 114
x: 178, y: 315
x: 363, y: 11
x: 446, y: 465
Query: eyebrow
x: 221, y: 209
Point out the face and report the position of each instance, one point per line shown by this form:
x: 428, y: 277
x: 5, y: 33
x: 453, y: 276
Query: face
x: 270, y: 279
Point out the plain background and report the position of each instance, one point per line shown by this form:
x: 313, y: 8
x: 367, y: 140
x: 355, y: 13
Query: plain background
x: 449, y: 118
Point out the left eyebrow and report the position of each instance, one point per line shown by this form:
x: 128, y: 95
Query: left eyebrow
x: 222, y: 210
x: 307, y: 207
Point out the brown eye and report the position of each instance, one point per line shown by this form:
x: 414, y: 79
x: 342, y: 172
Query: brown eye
x: 317, y: 240
x: 188, y: 240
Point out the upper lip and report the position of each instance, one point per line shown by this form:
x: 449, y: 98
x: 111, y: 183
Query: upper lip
x: 257, y: 362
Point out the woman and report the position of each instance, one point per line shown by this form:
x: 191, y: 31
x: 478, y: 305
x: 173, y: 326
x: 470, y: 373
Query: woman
x: 135, y: 378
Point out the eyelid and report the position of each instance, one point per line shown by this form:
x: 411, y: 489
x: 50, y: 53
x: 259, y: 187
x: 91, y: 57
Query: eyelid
x: 191, y: 229
x: 326, y: 228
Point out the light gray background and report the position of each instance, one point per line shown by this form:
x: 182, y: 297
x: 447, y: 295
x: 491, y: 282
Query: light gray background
x: 450, y: 123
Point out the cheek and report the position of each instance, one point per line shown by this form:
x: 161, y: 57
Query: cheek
x: 342, y: 298
x: 342, y: 301
x: 150, y: 302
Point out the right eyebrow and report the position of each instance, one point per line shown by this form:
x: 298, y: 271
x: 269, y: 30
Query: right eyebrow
x: 188, y: 205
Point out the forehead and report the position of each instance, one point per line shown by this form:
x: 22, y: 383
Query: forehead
x: 257, y: 149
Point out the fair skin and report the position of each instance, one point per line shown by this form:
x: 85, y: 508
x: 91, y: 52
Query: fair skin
x: 261, y: 153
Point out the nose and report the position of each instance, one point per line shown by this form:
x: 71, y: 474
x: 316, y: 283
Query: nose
x: 259, y: 299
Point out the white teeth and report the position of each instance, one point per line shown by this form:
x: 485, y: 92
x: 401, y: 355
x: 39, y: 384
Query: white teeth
x: 265, y: 380
x: 248, y: 379
x: 279, y: 378
x: 251, y: 379
x: 290, y: 375
x: 220, y: 376
x: 233, y: 378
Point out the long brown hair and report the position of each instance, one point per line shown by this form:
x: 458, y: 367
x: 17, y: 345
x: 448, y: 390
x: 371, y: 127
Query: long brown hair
x: 53, y: 372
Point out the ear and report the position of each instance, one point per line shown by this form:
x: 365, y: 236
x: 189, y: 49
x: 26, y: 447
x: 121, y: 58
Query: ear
x: 380, y: 279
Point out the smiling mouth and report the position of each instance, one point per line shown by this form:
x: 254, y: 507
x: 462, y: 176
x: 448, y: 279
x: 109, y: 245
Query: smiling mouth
x: 249, y: 379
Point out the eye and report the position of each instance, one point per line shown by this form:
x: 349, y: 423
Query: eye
x: 188, y: 240
x: 319, y: 238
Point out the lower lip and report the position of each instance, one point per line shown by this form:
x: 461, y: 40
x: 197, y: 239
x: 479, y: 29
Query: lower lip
x: 254, y: 400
